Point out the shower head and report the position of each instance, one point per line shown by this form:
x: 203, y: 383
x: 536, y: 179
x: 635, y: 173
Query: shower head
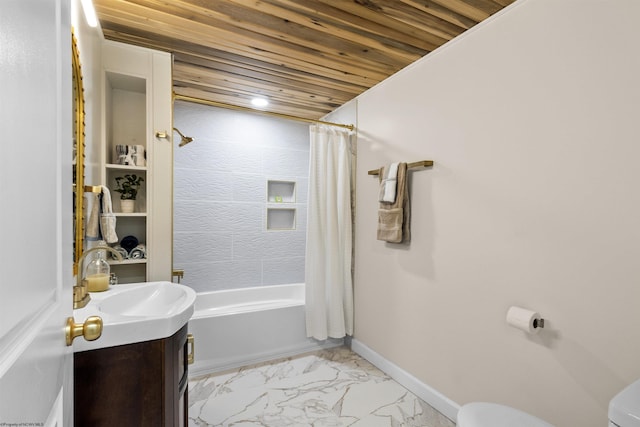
x: 184, y: 139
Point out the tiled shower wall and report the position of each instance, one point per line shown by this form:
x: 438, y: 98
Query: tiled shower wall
x: 220, y: 198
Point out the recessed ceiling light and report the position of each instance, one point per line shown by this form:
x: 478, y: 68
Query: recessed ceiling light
x: 259, y: 102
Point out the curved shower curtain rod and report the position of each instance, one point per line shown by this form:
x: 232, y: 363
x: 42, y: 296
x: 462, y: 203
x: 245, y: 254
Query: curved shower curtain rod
x: 253, y: 110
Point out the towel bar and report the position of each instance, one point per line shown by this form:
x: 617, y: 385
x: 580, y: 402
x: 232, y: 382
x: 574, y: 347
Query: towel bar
x: 421, y: 163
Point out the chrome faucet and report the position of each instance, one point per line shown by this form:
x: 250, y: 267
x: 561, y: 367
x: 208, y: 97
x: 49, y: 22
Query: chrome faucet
x: 80, y: 293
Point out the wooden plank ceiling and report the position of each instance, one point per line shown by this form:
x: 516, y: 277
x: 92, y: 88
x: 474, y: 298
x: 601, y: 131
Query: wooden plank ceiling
x: 306, y: 56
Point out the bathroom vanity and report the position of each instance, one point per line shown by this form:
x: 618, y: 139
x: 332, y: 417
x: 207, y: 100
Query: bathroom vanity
x: 140, y: 384
x: 136, y: 373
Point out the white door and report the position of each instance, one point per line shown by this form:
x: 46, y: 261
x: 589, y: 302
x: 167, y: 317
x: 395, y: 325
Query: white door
x: 35, y: 212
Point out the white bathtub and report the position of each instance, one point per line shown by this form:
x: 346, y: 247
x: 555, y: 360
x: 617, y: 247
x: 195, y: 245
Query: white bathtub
x: 234, y: 328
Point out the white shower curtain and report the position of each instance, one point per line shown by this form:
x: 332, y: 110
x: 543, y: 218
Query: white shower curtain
x: 329, y: 291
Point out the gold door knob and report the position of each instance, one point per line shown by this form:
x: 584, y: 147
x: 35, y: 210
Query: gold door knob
x: 91, y: 329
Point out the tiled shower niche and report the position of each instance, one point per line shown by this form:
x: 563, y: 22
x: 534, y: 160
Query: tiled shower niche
x: 281, y: 191
x: 280, y: 217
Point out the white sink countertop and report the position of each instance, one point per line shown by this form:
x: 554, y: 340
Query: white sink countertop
x: 136, y: 312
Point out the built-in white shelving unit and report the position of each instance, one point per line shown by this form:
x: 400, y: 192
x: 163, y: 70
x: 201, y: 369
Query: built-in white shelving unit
x: 137, y: 104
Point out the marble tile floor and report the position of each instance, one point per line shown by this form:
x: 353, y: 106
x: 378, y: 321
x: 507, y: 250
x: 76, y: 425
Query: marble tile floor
x: 328, y: 388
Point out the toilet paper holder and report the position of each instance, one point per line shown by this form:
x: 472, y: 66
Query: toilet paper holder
x: 526, y: 320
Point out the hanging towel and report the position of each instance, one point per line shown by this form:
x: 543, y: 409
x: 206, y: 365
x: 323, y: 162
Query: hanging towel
x: 92, y: 231
x: 107, y: 219
x: 394, y: 218
x: 388, y: 184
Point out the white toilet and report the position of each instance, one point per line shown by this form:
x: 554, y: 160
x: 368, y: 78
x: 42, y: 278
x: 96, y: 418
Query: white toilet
x: 624, y: 408
x: 624, y: 411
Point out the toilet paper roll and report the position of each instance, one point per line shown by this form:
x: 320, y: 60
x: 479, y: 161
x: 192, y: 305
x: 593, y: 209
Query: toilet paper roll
x: 525, y: 320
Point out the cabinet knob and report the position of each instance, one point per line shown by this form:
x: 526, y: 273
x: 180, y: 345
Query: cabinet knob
x: 91, y: 329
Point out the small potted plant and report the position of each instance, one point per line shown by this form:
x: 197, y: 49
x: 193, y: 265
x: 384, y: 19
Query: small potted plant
x: 128, y: 187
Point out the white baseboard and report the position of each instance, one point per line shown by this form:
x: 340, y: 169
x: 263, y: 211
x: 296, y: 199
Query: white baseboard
x: 440, y: 402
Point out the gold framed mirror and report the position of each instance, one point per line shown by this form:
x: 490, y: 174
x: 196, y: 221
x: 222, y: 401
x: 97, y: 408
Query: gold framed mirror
x: 78, y: 153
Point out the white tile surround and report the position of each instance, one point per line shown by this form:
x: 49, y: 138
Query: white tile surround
x: 220, y: 198
x: 334, y: 387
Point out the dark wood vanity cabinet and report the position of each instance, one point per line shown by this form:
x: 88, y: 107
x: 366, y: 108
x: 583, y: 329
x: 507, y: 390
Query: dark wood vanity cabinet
x: 141, y: 384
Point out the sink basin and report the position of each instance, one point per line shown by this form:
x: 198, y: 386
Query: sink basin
x: 154, y: 299
x: 137, y: 312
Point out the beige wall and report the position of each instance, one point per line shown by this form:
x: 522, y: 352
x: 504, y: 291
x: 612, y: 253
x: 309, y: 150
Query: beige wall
x: 532, y: 120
